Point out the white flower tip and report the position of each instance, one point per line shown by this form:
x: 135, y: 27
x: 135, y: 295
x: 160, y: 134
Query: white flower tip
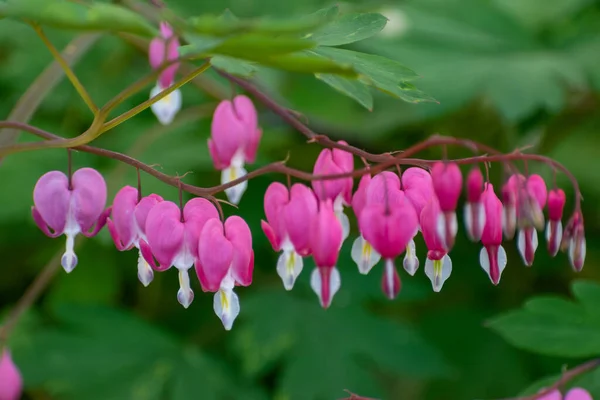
x: 411, y: 262
x: 185, y: 297
x: 227, y: 307
x: 145, y: 272
x: 345, y: 222
x: 438, y: 271
x: 316, y: 283
x: 69, y: 261
x: 234, y: 194
x: 166, y: 108
x: 364, y: 255
x: 289, y: 267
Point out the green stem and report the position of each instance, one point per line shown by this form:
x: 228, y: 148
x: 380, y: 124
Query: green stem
x: 67, y: 69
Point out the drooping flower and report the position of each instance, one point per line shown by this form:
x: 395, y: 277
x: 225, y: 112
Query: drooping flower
x: 474, y: 212
x: 363, y: 253
x: 173, y: 236
x: 389, y: 227
x: 234, y: 141
x: 128, y: 223
x: 574, y: 241
x: 510, y: 195
x: 554, y: 228
x: 418, y: 189
x: 530, y: 217
x: 289, y: 218
x: 225, y: 259
x: 70, y: 207
x: 438, y: 266
x: 492, y: 256
x: 447, y: 183
x: 11, y: 381
x: 339, y: 191
x: 165, y: 49
x: 325, y: 242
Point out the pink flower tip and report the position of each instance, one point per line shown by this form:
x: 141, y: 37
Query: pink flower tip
x: 11, y: 381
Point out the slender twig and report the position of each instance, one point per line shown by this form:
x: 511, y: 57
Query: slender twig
x: 565, y: 378
x: 67, y: 70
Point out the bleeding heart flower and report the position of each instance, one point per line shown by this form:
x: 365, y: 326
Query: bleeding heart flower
x: 418, y: 189
x: 362, y: 251
x: 389, y: 228
x: 530, y: 217
x: 225, y: 258
x: 173, y: 236
x: 11, y: 382
x: 574, y: 241
x: 492, y: 256
x: 128, y: 224
x: 70, y: 207
x: 234, y: 141
x: 573, y: 394
x: 438, y: 266
x: 510, y: 195
x: 325, y: 242
x: 447, y: 183
x: 289, y: 217
x: 164, y: 49
x: 554, y: 228
x: 339, y: 191
x: 474, y: 210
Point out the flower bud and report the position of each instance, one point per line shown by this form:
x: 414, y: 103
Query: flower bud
x: 554, y: 228
x: 474, y: 211
x: 447, y: 184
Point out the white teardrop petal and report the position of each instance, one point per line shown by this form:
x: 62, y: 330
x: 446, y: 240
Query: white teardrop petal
x: 345, y: 222
x: 521, y: 245
x: 185, y: 295
x: 364, y: 255
x: 227, y: 307
x: 145, y: 272
x: 502, y: 260
x: 335, y: 282
x: 69, y: 258
x: 438, y: 271
x: 166, y: 108
x: 484, y: 261
x: 469, y: 221
x: 315, y: 283
x: 234, y: 194
x: 411, y: 262
x: 289, y: 267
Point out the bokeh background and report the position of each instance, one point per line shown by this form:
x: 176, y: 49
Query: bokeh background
x: 509, y: 73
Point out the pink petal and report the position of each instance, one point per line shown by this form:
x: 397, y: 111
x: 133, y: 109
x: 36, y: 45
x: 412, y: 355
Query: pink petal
x: 218, y: 162
x: 156, y: 52
x: 246, y: 113
x: 122, y: 216
x: 39, y: 221
x: 238, y: 233
x: 429, y: 227
x: 556, y: 204
x: 536, y: 187
x: 359, y: 200
x: 492, y: 231
x: 143, y: 209
x: 418, y: 187
x: 196, y: 213
x: 51, y: 197
x: 276, y: 197
x: 553, y: 395
x: 99, y: 223
x: 89, y: 197
x: 388, y: 229
x: 252, y: 146
x: 474, y: 185
x: 11, y: 381
x: 298, y: 215
x: 328, y: 189
x: 384, y: 186
x: 119, y: 244
x: 165, y: 232
x: 325, y: 236
x: 578, y: 394
x: 271, y: 236
x: 165, y: 30
x: 215, y: 255
x: 345, y: 161
x: 447, y: 183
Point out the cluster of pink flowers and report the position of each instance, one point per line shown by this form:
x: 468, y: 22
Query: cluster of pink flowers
x: 573, y: 394
x: 391, y: 209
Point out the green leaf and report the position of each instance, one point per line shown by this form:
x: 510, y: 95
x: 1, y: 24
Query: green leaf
x: 555, y: 326
x: 349, y: 28
x: 386, y: 75
x: 255, y: 46
x: 350, y: 87
x: 224, y: 25
x: 101, y: 353
x: 233, y: 65
x: 198, y: 46
x: 309, y: 63
x: 326, y: 348
x: 69, y: 15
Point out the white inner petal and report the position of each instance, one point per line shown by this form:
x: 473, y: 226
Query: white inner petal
x: 166, y: 108
x: 364, y: 255
x: 72, y: 229
x: 317, y: 284
x: 145, y: 273
x: 411, y: 262
x: 389, y: 275
x: 469, y: 221
x: 234, y: 194
x: 438, y: 271
x: 227, y: 306
x: 289, y: 267
x: 185, y: 295
x: 345, y: 222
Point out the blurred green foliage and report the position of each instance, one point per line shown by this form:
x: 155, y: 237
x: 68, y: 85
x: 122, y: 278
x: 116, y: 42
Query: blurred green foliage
x: 508, y: 73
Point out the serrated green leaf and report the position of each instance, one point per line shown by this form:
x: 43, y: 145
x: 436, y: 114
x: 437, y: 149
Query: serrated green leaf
x: 349, y: 28
x: 350, y: 87
x: 69, y: 15
x: 386, y: 75
x: 325, y: 348
x: 233, y: 65
x: 552, y: 326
